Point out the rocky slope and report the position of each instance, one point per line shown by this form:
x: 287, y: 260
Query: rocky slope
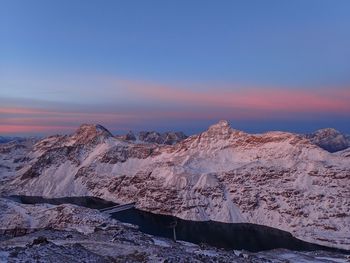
x: 68, y: 233
x: 329, y: 139
x: 61, y: 217
x: 344, y: 153
x: 48, y: 233
x: 276, y: 179
x: 13, y: 156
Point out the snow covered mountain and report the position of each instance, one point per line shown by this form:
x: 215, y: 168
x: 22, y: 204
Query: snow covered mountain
x: 169, y: 138
x: 330, y: 139
x: 13, y: 155
x: 277, y: 179
x: 6, y: 139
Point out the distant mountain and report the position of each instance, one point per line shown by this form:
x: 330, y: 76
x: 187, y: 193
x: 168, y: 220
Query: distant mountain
x: 329, y: 139
x: 169, y: 138
x: 348, y: 138
x: 6, y: 139
x: 278, y: 179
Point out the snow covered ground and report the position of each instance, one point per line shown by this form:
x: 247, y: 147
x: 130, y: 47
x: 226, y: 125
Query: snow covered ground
x: 54, y: 235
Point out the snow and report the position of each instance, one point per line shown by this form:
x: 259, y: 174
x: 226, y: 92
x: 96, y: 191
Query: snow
x: 277, y: 179
x: 68, y: 232
x: 208, y: 253
x: 338, y: 260
x: 161, y: 243
x: 4, y: 256
x: 14, y: 215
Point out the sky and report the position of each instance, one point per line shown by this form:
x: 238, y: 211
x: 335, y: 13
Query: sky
x: 174, y: 65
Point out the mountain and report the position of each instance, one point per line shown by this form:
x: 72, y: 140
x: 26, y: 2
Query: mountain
x: 329, y: 139
x: 276, y: 179
x: 6, y: 139
x: 13, y: 156
x: 169, y: 138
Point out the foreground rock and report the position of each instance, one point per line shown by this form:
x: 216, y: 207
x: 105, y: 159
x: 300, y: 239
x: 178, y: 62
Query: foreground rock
x: 124, y: 244
x: 276, y: 179
x: 21, y: 217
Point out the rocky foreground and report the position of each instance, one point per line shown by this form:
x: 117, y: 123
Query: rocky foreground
x: 68, y: 233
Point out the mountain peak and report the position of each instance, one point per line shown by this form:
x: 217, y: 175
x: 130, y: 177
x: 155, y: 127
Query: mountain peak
x: 222, y: 124
x: 222, y: 128
x: 91, y: 132
x: 329, y: 139
x: 328, y: 131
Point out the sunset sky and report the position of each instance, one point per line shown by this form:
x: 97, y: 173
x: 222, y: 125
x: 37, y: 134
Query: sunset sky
x: 174, y: 65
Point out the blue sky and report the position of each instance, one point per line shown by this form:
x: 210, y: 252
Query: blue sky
x: 61, y: 60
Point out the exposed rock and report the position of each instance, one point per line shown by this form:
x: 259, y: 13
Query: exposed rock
x: 329, y: 139
x: 172, y: 138
x: 168, y: 138
x: 130, y: 136
x: 90, y: 133
x: 40, y: 241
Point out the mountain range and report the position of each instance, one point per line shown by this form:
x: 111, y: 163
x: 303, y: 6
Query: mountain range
x: 329, y: 139
x: 277, y: 179
x: 6, y: 139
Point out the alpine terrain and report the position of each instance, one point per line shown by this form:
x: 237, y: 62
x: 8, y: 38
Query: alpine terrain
x: 277, y: 179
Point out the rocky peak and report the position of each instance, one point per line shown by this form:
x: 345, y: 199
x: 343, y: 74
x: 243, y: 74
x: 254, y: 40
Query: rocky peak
x: 220, y: 129
x: 221, y: 125
x: 90, y: 133
x: 150, y: 136
x: 168, y: 138
x: 171, y: 138
x: 328, y: 132
x: 130, y: 136
x: 329, y: 139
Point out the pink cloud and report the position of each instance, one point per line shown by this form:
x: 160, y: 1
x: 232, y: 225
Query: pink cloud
x: 8, y: 129
x: 167, y: 103
x: 267, y: 99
